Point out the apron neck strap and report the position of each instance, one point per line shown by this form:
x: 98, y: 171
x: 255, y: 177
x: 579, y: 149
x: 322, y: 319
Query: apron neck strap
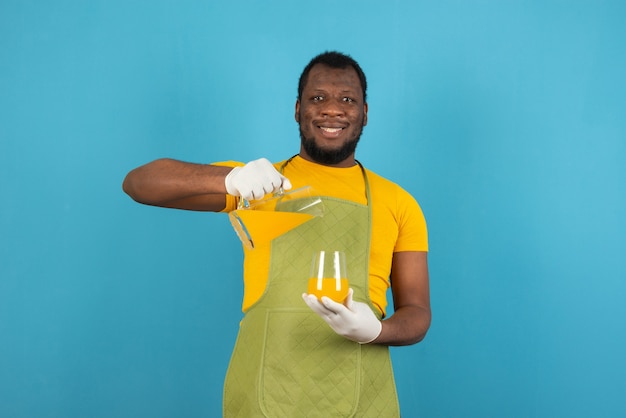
x: 367, y: 186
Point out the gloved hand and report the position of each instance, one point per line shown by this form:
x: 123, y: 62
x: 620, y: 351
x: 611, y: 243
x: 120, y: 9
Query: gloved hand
x: 354, y: 320
x: 255, y: 179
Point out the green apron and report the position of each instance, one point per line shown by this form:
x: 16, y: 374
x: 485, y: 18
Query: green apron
x: 287, y: 361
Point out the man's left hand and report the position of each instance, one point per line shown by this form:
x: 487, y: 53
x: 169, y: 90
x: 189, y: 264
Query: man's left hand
x: 353, y: 320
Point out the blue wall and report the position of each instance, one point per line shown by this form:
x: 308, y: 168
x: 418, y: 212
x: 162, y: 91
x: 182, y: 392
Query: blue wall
x: 506, y: 120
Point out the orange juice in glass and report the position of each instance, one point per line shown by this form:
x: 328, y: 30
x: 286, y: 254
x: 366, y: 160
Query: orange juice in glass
x: 328, y: 276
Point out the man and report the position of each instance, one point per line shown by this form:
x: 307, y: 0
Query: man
x: 296, y: 355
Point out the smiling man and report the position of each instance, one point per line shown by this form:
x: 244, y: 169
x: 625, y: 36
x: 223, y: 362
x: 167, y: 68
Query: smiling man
x: 297, y: 355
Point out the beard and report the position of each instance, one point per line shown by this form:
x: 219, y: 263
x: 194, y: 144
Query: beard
x: 332, y: 156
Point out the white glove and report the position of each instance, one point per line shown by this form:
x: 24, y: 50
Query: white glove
x: 354, y: 320
x: 255, y: 179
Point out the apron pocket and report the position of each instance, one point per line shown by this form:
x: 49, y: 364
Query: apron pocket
x: 307, y: 369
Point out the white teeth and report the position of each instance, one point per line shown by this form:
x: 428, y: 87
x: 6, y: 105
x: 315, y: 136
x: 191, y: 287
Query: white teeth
x: 333, y: 130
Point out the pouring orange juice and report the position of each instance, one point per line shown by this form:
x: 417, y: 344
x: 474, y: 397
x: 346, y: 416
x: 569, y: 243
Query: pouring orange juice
x: 263, y: 220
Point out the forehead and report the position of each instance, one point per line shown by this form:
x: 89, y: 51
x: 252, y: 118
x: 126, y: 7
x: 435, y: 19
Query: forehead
x: 322, y: 77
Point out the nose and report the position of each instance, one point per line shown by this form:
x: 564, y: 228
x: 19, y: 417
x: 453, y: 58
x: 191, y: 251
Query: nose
x: 332, y: 108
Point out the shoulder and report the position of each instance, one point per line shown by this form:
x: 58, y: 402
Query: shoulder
x: 392, y: 198
x: 395, y: 209
x: 278, y: 165
x: 229, y: 163
x: 232, y: 163
x: 382, y: 185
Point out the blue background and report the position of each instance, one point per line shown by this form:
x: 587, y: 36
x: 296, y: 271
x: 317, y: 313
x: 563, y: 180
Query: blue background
x: 506, y: 120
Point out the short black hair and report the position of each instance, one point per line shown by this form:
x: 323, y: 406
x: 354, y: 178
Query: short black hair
x: 333, y: 59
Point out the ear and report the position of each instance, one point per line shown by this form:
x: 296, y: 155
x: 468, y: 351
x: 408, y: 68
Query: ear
x: 364, y: 114
x: 297, y: 114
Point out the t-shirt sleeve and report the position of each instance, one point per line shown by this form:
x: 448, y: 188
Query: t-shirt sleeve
x: 231, y: 201
x: 412, y: 230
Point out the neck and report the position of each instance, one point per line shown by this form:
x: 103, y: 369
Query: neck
x: 348, y: 162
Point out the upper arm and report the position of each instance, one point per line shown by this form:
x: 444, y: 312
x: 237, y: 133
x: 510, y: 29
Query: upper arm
x: 409, y: 280
x: 409, y: 284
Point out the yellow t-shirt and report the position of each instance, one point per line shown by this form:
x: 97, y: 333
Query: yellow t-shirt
x: 398, y: 223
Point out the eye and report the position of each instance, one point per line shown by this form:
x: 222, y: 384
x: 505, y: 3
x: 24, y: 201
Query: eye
x: 348, y: 99
x: 317, y: 98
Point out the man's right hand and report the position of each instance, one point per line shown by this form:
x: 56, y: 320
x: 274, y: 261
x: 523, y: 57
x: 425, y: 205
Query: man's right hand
x: 255, y: 179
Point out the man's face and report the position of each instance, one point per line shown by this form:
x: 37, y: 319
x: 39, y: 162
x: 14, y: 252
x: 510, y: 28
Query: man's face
x: 331, y: 115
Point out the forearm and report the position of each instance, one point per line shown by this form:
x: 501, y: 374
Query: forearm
x: 165, y: 180
x: 408, y: 325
